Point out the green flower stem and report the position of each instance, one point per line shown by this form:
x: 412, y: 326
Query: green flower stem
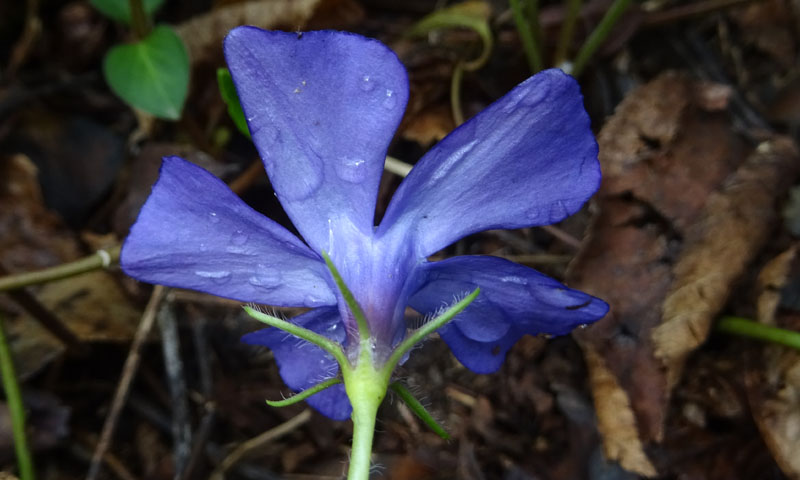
x: 567, y: 29
x: 599, y: 35
x: 418, y: 409
x: 355, y: 308
x: 304, y: 394
x: 526, y: 34
x: 139, y: 21
x: 329, y: 346
x: 366, y: 388
x: 15, y: 407
x: 748, y: 328
x: 427, y: 329
x: 98, y: 260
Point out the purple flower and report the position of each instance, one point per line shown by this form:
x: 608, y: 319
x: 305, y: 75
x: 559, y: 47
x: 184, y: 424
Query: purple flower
x: 322, y: 109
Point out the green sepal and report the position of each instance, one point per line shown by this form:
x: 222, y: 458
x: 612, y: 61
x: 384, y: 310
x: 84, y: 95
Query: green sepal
x: 151, y: 74
x: 430, y: 327
x: 228, y: 92
x: 299, y: 397
x: 418, y: 409
x: 355, y: 308
x: 322, y: 342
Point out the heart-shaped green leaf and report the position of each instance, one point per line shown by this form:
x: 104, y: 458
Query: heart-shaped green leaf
x: 120, y: 10
x: 152, y: 74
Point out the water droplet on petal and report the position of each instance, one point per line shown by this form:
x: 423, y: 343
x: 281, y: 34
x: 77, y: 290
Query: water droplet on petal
x: 311, y: 300
x: 239, y: 238
x: 353, y: 170
x: 390, y: 101
x: 367, y: 84
x: 213, y: 218
x: 514, y: 279
x: 219, y: 276
x: 265, y: 277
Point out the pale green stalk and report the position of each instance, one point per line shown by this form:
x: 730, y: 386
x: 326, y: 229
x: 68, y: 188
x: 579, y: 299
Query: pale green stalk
x: 15, y: 407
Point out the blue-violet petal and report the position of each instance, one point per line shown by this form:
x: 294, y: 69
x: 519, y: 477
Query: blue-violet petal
x: 303, y: 365
x: 322, y: 108
x: 194, y: 232
x: 528, y: 159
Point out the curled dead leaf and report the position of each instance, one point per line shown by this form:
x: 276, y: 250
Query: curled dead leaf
x: 674, y: 208
x: 734, y: 226
x: 774, y: 386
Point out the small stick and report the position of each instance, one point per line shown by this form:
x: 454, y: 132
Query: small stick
x: 181, y: 426
x: 128, y: 373
x: 257, y: 442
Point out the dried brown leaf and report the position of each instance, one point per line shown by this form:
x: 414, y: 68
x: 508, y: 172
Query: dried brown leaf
x: 203, y: 34
x: 662, y: 232
x: 774, y: 388
x: 734, y: 226
x: 615, y: 417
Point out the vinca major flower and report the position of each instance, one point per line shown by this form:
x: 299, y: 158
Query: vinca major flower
x: 322, y: 108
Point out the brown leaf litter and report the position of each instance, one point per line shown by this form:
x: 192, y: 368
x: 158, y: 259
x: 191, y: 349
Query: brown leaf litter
x: 774, y: 384
x: 683, y: 209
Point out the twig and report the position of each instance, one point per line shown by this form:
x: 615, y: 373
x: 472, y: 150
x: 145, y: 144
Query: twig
x: 257, y: 442
x: 562, y: 235
x: 181, y: 426
x: 199, y: 442
x: 99, y: 259
x: 128, y: 372
x: 15, y: 407
x: 662, y: 17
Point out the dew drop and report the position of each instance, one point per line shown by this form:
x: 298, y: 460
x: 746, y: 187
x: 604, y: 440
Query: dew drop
x: 367, y: 84
x: 265, y: 277
x: 219, y: 277
x: 390, y: 101
x: 239, y: 238
x: 514, y: 279
x: 213, y: 217
x: 353, y: 170
x: 311, y: 300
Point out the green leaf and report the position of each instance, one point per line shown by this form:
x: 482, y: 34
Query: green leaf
x: 473, y: 15
x: 152, y: 74
x: 231, y: 99
x: 120, y: 10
